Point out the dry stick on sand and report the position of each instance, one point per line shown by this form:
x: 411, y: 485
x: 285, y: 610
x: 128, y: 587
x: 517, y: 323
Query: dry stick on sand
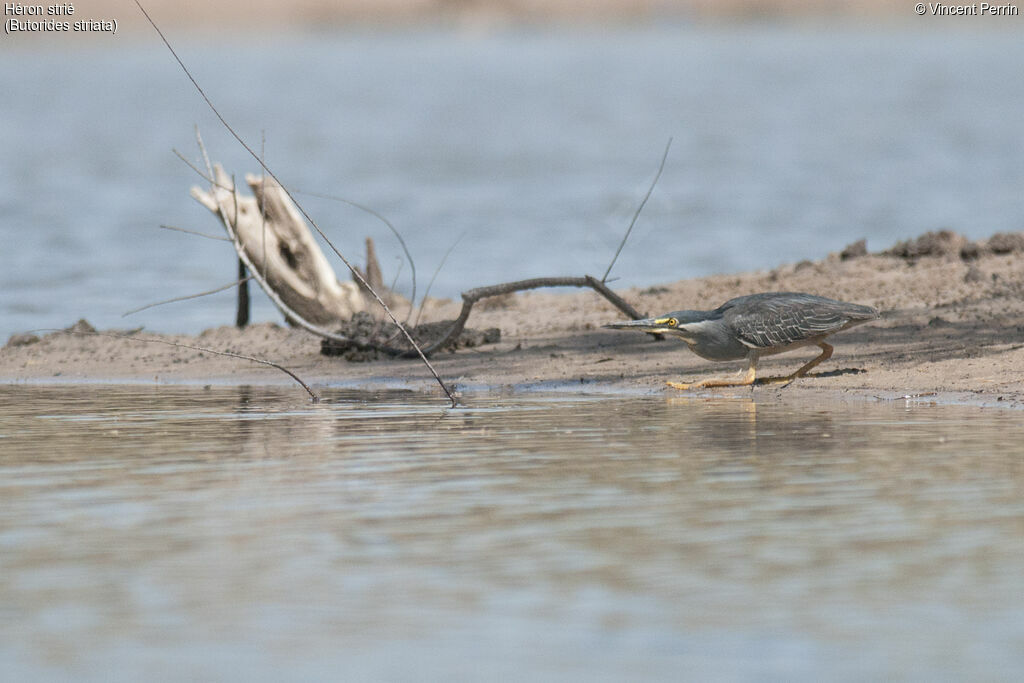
x: 472, y: 296
x: 312, y: 394
x: 309, y: 218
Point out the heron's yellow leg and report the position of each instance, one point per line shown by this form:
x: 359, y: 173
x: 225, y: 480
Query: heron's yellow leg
x: 826, y: 353
x: 742, y: 379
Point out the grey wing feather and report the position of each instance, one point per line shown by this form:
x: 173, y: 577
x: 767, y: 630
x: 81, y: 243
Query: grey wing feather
x: 778, y: 320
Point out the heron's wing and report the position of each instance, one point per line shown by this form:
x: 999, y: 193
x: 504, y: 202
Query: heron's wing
x: 771, y: 321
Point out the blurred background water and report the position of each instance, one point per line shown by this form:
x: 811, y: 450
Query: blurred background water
x: 534, y: 144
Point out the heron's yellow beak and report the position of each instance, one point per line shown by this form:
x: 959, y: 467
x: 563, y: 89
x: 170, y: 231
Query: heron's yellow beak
x: 646, y: 325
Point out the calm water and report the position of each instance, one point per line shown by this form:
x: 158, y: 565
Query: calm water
x: 536, y: 144
x: 245, y: 534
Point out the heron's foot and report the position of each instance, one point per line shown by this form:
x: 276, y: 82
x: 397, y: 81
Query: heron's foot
x: 744, y: 381
x: 784, y: 381
x: 704, y: 384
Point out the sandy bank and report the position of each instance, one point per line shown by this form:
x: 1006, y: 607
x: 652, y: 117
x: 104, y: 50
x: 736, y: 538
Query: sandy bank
x: 952, y: 327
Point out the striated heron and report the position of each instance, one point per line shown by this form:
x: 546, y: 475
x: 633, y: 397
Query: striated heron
x: 756, y: 325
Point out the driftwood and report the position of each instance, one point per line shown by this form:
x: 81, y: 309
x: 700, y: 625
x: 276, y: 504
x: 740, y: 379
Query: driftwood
x: 281, y: 255
x: 276, y: 246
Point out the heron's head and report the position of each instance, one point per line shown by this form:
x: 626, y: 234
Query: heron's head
x: 679, y: 323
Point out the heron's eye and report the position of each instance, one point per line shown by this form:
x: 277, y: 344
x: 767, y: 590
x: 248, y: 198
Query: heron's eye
x: 672, y: 322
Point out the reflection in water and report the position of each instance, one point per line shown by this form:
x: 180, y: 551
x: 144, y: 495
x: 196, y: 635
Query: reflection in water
x: 242, y: 533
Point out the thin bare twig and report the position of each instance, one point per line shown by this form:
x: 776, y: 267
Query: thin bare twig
x: 661, y: 167
x: 186, y: 297
x: 382, y: 219
x: 309, y: 218
x: 212, y: 181
x: 193, y: 166
x: 398, y: 272
x: 312, y: 394
x: 219, y: 238
x: 202, y: 147
x: 426, y: 292
x: 394, y: 282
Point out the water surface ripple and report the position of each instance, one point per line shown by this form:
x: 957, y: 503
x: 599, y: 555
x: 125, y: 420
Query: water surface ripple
x: 244, y: 533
